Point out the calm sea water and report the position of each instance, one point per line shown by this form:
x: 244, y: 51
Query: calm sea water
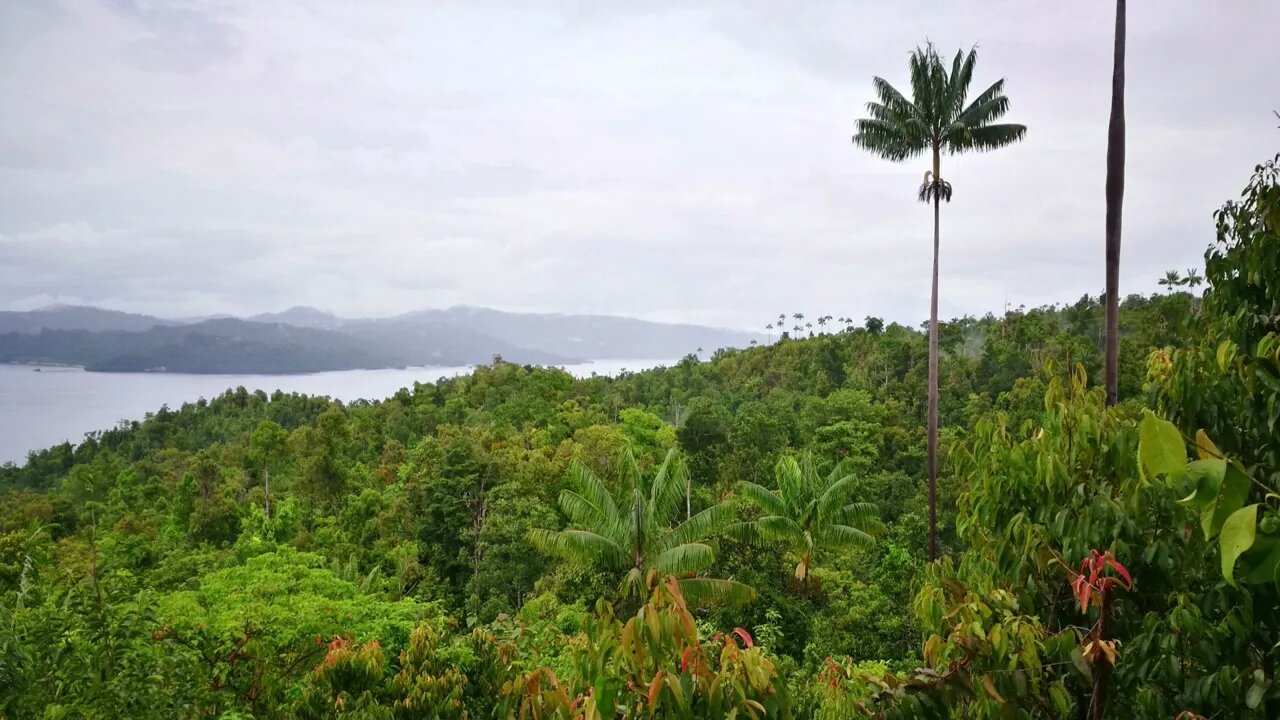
x: 40, y: 409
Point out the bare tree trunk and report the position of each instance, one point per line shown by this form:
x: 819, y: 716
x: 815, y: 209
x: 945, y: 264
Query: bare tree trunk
x: 1115, y: 200
x: 933, y: 384
x: 266, y: 487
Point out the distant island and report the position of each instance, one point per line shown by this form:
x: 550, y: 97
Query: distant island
x: 307, y: 340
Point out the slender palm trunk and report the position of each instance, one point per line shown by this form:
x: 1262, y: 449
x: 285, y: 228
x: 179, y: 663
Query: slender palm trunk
x: 266, y: 488
x: 1115, y: 200
x: 933, y: 377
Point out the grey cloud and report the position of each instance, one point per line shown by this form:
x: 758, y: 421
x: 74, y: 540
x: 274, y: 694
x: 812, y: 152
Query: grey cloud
x: 663, y: 160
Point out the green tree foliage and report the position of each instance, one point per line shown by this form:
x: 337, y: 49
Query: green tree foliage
x: 181, y: 565
x: 632, y: 531
x: 1171, y: 564
x: 260, y: 626
x: 810, y: 513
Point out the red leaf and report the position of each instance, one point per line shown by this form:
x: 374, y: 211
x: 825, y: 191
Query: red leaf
x: 684, y: 658
x: 1128, y: 582
x: 746, y: 638
x: 655, y: 687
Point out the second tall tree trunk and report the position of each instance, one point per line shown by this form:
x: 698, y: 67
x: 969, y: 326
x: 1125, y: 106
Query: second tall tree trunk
x: 1115, y: 199
x: 933, y: 383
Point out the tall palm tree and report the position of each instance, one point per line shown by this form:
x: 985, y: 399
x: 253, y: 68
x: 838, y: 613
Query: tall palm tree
x: 637, y: 534
x: 1193, y: 278
x: 1115, y: 206
x: 937, y: 119
x: 809, y: 513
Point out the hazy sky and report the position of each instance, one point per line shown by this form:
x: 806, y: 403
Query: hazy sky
x: 682, y: 160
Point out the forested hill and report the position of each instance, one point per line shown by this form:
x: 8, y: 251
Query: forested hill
x: 208, y: 547
x: 738, y: 537
x: 308, y: 340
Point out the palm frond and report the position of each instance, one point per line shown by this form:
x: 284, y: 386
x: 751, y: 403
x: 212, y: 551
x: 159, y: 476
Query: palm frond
x: 860, y: 515
x: 891, y: 98
x: 633, y: 584
x: 628, y: 471
x: 779, y: 527
x: 833, y: 498
x: 924, y: 90
x: 996, y: 90
x: 844, y: 536
x: 790, y: 479
x: 993, y: 137
x: 684, y: 559
x: 991, y: 105
x: 743, y: 532
x: 961, y: 76
x: 580, y: 510
x: 579, y: 546
x: 889, y: 140
x: 637, y: 524
x: 667, y: 487
x: 700, y: 527
x: 699, y: 591
x: 771, y: 504
x: 592, y: 488
x: 959, y: 135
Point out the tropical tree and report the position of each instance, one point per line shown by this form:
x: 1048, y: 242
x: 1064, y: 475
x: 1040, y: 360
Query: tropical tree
x: 1115, y: 204
x: 1171, y: 280
x: 1193, y: 278
x: 268, y: 442
x: 632, y: 533
x: 809, y: 513
x: 937, y: 119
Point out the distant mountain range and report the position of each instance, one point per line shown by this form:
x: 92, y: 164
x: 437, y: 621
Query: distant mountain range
x: 302, y: 340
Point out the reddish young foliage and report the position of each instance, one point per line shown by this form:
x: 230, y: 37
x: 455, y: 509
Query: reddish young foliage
x: 1091, y: 579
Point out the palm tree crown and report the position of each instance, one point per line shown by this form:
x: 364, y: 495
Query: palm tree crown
x: 1171, y: 279
x: 809, y: 512
x: 631, y: 533
x: 938, y: 118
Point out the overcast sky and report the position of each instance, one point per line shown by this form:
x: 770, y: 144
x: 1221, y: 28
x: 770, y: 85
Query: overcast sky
x: 673, y: 161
